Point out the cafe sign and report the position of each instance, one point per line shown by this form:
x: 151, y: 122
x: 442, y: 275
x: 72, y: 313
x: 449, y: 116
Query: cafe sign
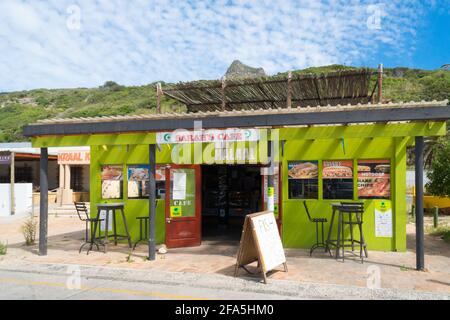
x: 5, y: 159
x: 227, y: 135
x: 74, y: 157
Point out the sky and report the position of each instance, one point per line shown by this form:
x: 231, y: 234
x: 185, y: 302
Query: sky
x: 70, y: 43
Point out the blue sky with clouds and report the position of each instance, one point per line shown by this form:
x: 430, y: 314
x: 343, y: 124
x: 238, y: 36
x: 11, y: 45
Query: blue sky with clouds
x: 83, y: 43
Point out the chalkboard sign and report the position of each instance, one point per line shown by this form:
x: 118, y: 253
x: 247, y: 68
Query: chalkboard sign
x: 261, y: 242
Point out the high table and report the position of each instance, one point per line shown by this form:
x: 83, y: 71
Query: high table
x: 113, y: 207
x: 341, y: 208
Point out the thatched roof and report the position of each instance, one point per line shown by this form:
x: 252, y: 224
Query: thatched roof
x: 345, y: 87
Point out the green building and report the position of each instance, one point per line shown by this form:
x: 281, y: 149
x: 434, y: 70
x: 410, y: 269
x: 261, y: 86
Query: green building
x: 231, y: 155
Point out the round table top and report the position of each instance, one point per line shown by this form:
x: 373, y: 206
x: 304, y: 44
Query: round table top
x: 111, y: 205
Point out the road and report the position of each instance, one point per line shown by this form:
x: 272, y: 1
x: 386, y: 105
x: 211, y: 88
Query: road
x: 72, y: 285
x: 23, y: 285
x: 60, y: 281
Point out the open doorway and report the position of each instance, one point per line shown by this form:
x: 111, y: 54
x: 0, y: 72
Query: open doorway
x: 229, y: 193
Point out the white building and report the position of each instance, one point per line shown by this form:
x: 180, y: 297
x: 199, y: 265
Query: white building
x: 68, y: 177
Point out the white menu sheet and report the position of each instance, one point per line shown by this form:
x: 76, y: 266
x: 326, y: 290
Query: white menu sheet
x: 383, y: 223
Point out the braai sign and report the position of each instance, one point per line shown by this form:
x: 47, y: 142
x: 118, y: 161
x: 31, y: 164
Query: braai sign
x: 260, y: 241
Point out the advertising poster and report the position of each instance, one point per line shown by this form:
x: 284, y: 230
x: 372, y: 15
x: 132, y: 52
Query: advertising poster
x: 337, y: 169
x: 303, y: 170
x: 138, y: 180
x: 374, y: 179
x: 112, y: 177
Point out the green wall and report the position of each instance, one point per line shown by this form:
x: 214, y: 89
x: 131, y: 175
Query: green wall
x: 123, y: 155
x: 376, y: 141
x: 299, y: 232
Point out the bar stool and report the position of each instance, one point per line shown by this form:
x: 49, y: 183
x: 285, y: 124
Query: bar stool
x: 113, y: 207
x: 349, y: 209
x: 83, y: 214
x: 318, y: 244
x: 143, y: 230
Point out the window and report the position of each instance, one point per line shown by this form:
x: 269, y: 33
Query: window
x: 337, y: 179
x: 303, y: 179
x: 138, y: 184
x: 23, y: 174
x: 76, y: 178
x: 112, y: 182
x: 374, y: 179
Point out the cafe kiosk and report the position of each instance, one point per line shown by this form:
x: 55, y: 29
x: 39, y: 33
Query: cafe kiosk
x: 230, y: 155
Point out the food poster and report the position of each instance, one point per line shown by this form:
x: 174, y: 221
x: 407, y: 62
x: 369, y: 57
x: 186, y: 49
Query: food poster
x: 374, y: 179
x: 337, y: 169
x: 182, y: 197
x: 112, y: 177
x: 138, y: 176
x: 303, y: 170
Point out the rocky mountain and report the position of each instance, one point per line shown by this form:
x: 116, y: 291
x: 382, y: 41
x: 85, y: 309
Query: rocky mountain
x: 20, y: 108
x: 238, y: 70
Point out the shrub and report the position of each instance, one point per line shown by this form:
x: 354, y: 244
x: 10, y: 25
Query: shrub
x: 439, y: 173
x: 29, y: 231
x: 3, y: 248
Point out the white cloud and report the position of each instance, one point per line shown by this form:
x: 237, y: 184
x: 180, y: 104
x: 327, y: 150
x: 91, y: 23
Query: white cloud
x: 137, y: 42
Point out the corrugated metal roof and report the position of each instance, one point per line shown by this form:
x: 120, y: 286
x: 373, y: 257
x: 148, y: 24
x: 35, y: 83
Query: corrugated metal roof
x: 243, y: 113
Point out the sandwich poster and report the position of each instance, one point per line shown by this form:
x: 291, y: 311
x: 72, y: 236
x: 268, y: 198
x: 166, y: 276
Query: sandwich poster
x: 337, y: 169
x: 374, y: 179
x: 303, y: 170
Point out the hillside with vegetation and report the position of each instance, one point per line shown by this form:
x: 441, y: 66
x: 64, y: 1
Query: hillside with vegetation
x: 20, y: 108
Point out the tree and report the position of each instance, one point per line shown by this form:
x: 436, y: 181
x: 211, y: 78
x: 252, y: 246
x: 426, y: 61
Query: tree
x: 111, y: 86
x: 439, y: 173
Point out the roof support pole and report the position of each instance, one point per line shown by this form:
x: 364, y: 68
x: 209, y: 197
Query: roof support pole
x: 224, y: 101
x: 419, y: 204
x: 380, y: 83
x: 43, y: 212
x: 152, y: 202
x: 289, y: 90
x: 12, y: 183
x: 158, y: 97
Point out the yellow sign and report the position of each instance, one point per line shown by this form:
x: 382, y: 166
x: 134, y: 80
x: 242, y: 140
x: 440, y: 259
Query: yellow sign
x: 175, y: 211
x: 270, y: 191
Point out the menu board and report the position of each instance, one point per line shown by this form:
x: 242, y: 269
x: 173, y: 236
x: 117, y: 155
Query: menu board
x: 112, y: 178
x: 337, y: 179
x: 383, y: 219
x: 260, y: 241
x: 303, y: 179
x: 374, y: 179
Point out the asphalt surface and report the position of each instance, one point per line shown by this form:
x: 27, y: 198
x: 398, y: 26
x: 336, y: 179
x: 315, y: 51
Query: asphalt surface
x: 59, y: 281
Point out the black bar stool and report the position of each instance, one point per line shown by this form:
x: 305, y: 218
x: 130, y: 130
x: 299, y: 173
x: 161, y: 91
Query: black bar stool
x: 349, y: 209
x: 321, y: 243
x: 83, y: 214
x: 113, y: 207
x: 143, y: 230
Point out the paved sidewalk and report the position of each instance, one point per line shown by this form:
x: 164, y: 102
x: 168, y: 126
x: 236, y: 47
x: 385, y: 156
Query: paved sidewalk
x: 56, y: 281
x: 394, y: 270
